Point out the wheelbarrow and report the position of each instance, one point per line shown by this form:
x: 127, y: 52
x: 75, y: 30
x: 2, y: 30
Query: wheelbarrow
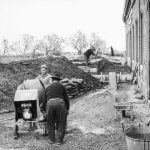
x: 123, y: 107
x: 26, y: 103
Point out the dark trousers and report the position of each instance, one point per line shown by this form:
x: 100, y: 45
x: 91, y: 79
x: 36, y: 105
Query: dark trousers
x: 56, y: 116
x: 86, y: 59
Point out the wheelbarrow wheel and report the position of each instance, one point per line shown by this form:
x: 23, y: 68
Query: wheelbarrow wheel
x: 15, y: 131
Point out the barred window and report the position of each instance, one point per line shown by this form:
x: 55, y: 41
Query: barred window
x: 136, y: 26
x: 141, y: 39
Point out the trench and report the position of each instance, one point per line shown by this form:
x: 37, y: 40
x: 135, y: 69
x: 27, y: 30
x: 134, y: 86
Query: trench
x: 101, y: 67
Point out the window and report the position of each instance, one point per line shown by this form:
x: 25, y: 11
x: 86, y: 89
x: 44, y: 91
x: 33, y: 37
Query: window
x: 141, y: 39
x: 136, y: 30
x: 133, y: 49
x: 127, y: 44
x: 130, y: 46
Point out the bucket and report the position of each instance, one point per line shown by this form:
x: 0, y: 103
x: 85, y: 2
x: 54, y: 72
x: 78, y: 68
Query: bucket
x: 138, y: 138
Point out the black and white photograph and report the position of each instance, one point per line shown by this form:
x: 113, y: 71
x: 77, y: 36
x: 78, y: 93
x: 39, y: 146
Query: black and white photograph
x: 74, y: 74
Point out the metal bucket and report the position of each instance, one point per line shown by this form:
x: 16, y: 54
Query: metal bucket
x: 138, y: 138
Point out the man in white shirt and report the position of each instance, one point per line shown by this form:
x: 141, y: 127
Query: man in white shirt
x: 45, y: 77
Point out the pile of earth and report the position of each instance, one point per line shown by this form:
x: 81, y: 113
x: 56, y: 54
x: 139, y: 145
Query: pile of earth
x: 106, y: 66
x: 14, y: 73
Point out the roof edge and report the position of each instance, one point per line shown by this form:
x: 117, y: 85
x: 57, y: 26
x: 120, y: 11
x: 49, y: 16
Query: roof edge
x: 127, y: 7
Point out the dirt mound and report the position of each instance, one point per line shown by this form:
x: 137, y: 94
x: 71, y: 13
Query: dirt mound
x: 14, y: 73
x: 107, y: 66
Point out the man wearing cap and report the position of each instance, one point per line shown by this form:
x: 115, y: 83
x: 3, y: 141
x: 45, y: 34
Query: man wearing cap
x: 56, y: 105
x: 44, y: 77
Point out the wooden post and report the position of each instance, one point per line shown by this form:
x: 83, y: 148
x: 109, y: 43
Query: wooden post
x: 112, y: 81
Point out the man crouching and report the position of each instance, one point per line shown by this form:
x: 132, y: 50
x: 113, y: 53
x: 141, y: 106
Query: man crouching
x: 56, y: 105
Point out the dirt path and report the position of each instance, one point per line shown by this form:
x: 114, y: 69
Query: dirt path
x: 91, y: 125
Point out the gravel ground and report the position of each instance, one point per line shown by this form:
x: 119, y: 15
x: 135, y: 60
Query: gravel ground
x: 91, y: 126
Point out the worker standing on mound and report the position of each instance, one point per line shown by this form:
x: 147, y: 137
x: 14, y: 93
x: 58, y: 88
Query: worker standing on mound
x: 44, y: 77
x: 88, y: 53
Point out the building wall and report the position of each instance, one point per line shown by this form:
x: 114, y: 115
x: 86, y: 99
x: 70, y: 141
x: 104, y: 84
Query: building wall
x: 145, y: 49
x: 137, y: 42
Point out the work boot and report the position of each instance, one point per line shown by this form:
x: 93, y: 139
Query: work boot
x: 51, y: 142
x: 61, y: 142
x: 60, y: 138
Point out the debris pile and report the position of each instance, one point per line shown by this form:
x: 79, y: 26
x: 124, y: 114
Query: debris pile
x: 107, y: 66
x: 14, y: 73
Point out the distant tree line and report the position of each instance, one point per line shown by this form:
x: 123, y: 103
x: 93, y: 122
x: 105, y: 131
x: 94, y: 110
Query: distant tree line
x: 51, y: 44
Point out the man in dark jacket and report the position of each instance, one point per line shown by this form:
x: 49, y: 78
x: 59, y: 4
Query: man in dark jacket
x: 112, y: 51
x: 88, y: 53
x: 56, y: 106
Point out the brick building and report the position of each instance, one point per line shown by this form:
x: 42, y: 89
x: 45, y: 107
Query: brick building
x: 136, y: 16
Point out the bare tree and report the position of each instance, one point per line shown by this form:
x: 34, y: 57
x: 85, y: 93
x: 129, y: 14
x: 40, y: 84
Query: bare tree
x: 53, y: 44
x: 5, y: 45
x: 1, y: 51
x: 27, y: 42
x: 98, y: 43
x: 79, y: 41
x: 15, y: 47
x: 38, y: 47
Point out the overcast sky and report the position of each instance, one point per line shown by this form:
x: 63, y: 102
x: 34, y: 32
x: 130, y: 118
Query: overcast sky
x: 63, y: 17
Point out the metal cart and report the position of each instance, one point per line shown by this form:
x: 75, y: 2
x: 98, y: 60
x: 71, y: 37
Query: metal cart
x: 26, y: 104
x: 123, y: 107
